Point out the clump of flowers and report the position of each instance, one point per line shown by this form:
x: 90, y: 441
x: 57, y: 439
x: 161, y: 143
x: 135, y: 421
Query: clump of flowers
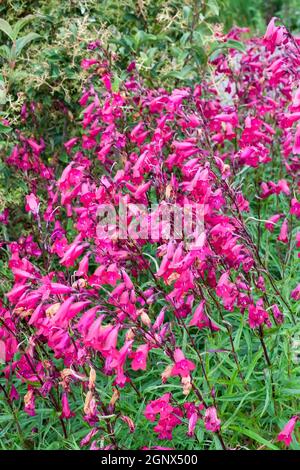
x: 93, y: 306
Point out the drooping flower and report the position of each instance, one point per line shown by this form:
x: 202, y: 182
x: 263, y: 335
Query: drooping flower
x: 274, y: 35
x: 296, y: 146
x: 272, y: 221
x: 211, y: 420
x: 295, y: 294
x: 192, y: 424
x: 29, y: 403
x: 182, y: 366
x: 66, y: 411
x: 201, y: 320
x: 140, y: 357
x: 155, y: 407
x: 32, y: 204
x: 4, y: 217
x: 129, y: 423
x: 279, y: 317
x: 258, y: 315
x: 167, y: 422
x: 283, y: 235
x: 285, y: 434
x: 295, y: 207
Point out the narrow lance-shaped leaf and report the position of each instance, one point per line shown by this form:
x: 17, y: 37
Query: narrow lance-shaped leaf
x: 19, y: 25
x: 230, y: 44
x: 2, y: 91
x: 4, y: 129
x: 24, y: 41
x: 6, y: 28
x: 5, y: 52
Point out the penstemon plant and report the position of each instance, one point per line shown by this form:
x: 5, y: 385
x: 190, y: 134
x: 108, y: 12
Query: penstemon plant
x: 12, y: 52
x: 156, y: 289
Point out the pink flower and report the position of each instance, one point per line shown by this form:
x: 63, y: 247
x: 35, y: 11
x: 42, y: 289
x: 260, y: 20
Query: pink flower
x: 57, y: 288
x: 72, y: 252
x: 66, y: 412
x: 295, y: 208
x: 273, y: 35
x: 169, y: 417
x: 83, y: 305
x: 192, y: 424
x: 2, y: 352
x: 37, y: 148
x: 211, y: 421
x: 296, y: 147
x: 159, y: 319
x: 32, y: 204
x: 286, y: 434
x: 167, y: 422
x: 227, y: 291
x: 87, y: 63
x: 182, y: 366
x: 4, y: 217
x: 161, y: 405
x: 272, y: 221
x: 283, y: 235
x: 201, y: 320
x: 14, y: 395
x: 257, y: 315
x: 94, y: 45
x: 140, y: 357
x: 295, y: 294
x: 277, y: 313
x: 106, y: 81
x: 86, y: 440
x: 68, y: 145
x: 83, y: 266
x: 260, y: 284
x: 129, y: 423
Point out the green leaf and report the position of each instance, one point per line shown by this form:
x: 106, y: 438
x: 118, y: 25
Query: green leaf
x: 217, y: 443
x: 6, y: 29
x: 19, y: 25
x: 182, y: 74
x: 252, y: 365
x: 238, y: 335
x: 24, y: 41
x: 187, y: 12
x: 142, y: 38
x: 233, y: 44
x: 116, y: 84
x: 253, y: 435
x: 4, y: 129
x: 2, y: 91
x: 218, y: 47
x: 5, y: 52
x: 212, y: 8
x: 200, y: 55
x: 185, y: 37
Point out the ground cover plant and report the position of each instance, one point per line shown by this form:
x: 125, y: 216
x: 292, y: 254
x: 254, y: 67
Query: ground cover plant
x: 150, y: 292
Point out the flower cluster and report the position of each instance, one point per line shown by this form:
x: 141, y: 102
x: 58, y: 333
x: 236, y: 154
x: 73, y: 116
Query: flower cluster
x: 86, y: 309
